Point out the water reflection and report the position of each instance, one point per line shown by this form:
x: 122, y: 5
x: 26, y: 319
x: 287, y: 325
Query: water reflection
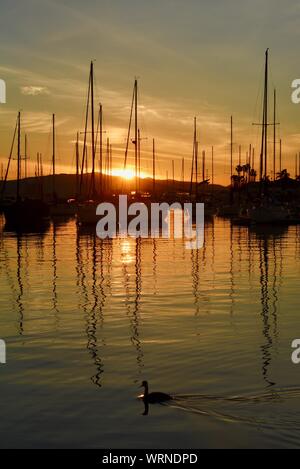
x: 267, y: 238
x: 151, y: 307
x: 136, y: 310
x: 20, y: 293
x: 54, y: 277
x: 196, y: 279
x: 93, y: 309
x: 154, y: 264
x: 133, y: 313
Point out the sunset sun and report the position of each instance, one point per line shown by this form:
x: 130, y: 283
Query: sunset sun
x: 127, y: 174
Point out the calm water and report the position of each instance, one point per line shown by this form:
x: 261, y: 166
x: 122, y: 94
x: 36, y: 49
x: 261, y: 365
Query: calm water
x: 85, y: 321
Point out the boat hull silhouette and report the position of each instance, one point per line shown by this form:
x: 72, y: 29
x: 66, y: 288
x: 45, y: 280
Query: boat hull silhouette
x: 25, y: 213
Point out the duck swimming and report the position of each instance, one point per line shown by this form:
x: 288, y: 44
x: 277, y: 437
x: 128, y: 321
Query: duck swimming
x: 153, y: 397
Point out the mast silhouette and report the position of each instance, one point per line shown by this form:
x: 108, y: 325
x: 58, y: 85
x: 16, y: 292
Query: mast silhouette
x: 139, y: 159
x: 101, y: 147
x: 266, y: 112
x: 212, y: 170
x: 231, y: 148
x: 274, y: 138
x: 280, y: 155
x: 193, y: 156
x: 9, y: 160
x: 196, y: 164
x: 19, y: 157
x: 84, y: 149
x: 25, y: 157
x: 136, y: 132
x: 135, y: 140
x: 93, y: 188
x: 264, y: 134
x: 77, y: 165
x: 53, y: 158
x: 153, y: 164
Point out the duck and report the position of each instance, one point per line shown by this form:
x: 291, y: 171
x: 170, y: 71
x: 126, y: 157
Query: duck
x: 153, y: 397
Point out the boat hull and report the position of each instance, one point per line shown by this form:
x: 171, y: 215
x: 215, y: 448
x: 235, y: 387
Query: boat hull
x: 26, y: 213
x: 269, y: 215
x: 62, y: 210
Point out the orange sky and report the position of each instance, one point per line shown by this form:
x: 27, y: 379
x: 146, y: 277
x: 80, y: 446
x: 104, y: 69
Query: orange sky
x: 193, y: 61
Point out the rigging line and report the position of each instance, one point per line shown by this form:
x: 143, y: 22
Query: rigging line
x: 129, y: 128
x: 9, y: 161
x: 85, y: 133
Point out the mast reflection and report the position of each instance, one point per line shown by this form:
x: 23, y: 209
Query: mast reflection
x: 93, y: 308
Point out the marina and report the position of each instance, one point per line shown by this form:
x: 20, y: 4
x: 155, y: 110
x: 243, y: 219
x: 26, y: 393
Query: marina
x: 149, y: 229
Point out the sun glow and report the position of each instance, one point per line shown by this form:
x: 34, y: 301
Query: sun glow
x: 127, y: 174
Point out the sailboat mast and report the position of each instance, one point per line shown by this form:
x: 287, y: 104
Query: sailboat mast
x: 173, y: 174
x: 196, y: 157
x: 196, y: 165
x: 19, y: 157
x: 101, y: 147
x: 25, y: 157
x: 212, y: 168
x: 111, y: 166
x: 139, y: 158
x: 274, y: 138
x: 41, y: 176
x: 77, y: 165
x: 107, y: 164
x: 93, y: 129
x: 194, y: 154
x: 231, y: 147
x: 53, y: 157
x: 37, y: 167
x: 153, y: 163
x: 136, y: 132
x: 280, y: 155
x: 266, y: 113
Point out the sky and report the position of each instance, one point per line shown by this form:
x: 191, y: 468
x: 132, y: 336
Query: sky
x: 201, y: 58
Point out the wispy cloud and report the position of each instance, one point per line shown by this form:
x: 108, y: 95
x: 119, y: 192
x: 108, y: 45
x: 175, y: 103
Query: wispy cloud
x: 34, y: 90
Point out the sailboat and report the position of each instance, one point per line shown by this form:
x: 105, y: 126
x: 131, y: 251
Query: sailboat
x: 86, y: 210
x: 232, y: 209
x: 195, y: 184
x: 58, y: 207
x: 24, y: 213
x: 138, y: 193
x: 268, y: 211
